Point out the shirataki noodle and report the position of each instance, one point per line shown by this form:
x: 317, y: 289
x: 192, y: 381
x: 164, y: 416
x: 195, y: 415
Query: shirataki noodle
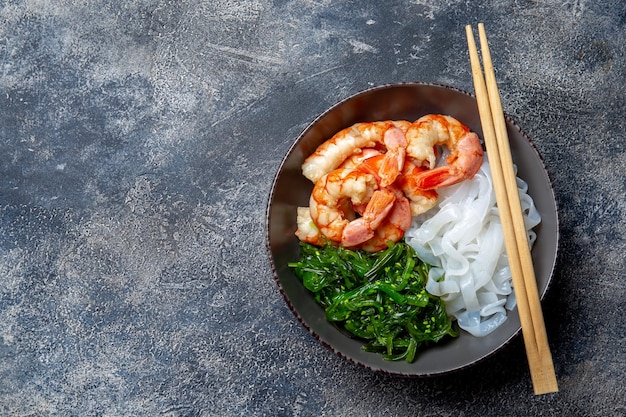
x: 462, y: 238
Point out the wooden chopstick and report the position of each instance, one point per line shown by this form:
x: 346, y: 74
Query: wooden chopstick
x: 509, y: 206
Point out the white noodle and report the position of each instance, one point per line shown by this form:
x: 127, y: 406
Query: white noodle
x: 462, y: 238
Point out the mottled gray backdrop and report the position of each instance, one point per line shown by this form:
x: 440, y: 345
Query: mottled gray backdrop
x: 138, y: 143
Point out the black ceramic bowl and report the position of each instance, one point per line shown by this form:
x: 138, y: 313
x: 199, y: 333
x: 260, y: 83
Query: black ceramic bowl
x: 291, y: 190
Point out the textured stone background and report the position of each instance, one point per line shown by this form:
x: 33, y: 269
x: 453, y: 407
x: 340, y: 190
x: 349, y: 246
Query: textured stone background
x: 138, y: 143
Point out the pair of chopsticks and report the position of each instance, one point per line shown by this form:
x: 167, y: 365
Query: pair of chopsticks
x: 507, y: 197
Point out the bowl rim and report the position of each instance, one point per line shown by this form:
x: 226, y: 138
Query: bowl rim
x: 412, y: 84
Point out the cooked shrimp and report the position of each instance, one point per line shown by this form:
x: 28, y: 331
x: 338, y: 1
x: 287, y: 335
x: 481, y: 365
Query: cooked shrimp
x: 368, y: 161
x: 390, y: 135
x: 331, y: 201
x: 392, y: 227
x: 307, y: 230
x: 383, y: 208
x: 420, y: 200
x: 353, y: 161
x: 466, y: 152
x: 363, y: 228
x: 371, y: 178
x: 393, y: 162
x: 386, y: 216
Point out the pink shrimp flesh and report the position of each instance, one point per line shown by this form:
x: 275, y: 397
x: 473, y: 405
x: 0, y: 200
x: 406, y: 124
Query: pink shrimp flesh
x: 420, y: 200
x: 393, y: 162
x: 362, y: 229
x: 331, y: 201
x: 356, y: 159
x: 466, y: 152
x: 371, y: 178
x: 392, y: 227
x: 351, y: 140
x: 463, y: 163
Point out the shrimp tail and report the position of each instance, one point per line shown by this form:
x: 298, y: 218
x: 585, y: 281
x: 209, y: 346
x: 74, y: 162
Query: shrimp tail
x: 356, y: 232
x: 393, y: 162
x: 463, y: 163
x: 439, y: 177
x: 362, y: 229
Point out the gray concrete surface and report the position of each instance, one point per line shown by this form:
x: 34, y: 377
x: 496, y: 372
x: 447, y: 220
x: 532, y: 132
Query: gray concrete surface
x: 138, y: 144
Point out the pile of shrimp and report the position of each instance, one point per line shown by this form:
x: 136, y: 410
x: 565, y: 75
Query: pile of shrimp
x: 372, y: 177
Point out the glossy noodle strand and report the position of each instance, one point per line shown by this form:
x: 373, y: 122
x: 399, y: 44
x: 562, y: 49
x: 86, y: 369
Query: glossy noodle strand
x: 462, y: 238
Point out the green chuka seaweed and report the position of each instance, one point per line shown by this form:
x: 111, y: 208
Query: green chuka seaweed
x: 377, y: 297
